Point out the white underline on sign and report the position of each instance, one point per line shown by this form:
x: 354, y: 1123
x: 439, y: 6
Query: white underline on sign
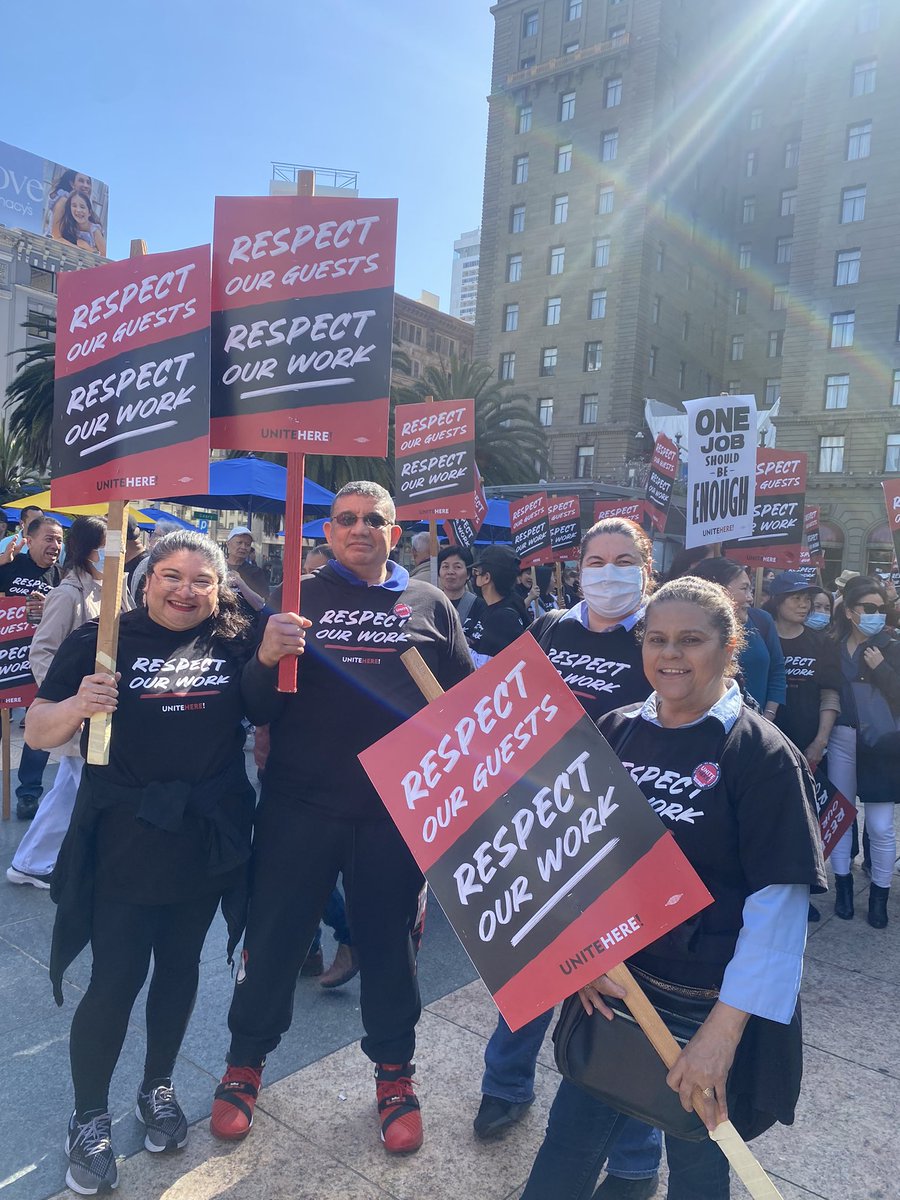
x: 566, y: 888
x: 296, y: 387
x: 120, y: 437
x: 427, y: 492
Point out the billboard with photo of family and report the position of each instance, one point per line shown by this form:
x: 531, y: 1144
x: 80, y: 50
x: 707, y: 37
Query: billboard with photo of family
x: 47, y: 198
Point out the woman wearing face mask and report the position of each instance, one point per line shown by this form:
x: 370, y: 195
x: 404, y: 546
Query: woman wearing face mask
x: 595, y: 649
x: 75, y: 601
x: 821, y: 609
x: 865, y: 759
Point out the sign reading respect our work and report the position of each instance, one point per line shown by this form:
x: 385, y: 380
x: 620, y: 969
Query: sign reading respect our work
x: 547, y: 859
x: 663, y: 469
x: 17, y: 685
x: 627, y: 510
x: 721, y: 469
x: 778, y: 512
x: 464, y: 532
x: 564, y: 516
x: 434, y: 454
x: 812, y: 529
x: 131, y: 397
x: 530, y: 528
x: 303, y: 301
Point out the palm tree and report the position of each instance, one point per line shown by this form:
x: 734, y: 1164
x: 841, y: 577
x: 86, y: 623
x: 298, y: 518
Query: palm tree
x: 510, y: 446
x: 29, y: 397
x: 15, y: 477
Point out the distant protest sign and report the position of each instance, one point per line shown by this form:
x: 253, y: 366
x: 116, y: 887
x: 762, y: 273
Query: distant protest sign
x: 891, y: 489
x: 434, y: 456
x: 813, y: 533
x: 131, y: 397
x: 663, y: 470
x: 463, y: 533
x: 17, y: 685
x: 564, y: 515
x: 530, y: 527
x: 721, y: 469
x: 303, y: 300
x: 778, y: 512
x: 835, y: 812
x: 629, y: 510
x: 547, y: 859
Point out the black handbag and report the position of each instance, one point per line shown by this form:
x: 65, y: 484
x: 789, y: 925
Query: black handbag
x: 615, y: 1062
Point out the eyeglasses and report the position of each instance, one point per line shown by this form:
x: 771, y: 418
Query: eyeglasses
x: 871, y: 609
x: 373, y: 519
x: 199, y: 587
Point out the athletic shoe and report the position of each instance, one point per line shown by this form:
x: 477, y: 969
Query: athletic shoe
x: 14, y: 875
x: 27, y: 807
x: 398, y: 1108
x: 92, y: 1160
x: 235, y: 1100
x: 161, y: 1113
x: 627, y: 1189
x: 496, y: 1116
x: 342, y: 970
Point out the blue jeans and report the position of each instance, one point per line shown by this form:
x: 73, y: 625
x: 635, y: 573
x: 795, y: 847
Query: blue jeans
x: 31, y: 773
x: 335, y: 915
x: 581, y: 1132
x: 509, y: 1065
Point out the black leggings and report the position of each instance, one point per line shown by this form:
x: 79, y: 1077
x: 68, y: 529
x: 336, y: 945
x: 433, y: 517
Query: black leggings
x: 123, y: 936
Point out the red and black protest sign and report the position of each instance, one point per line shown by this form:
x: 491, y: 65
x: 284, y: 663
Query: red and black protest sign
x: 303, y: 301
x: 434, y: 455
x: 17, y: 685
x: 660, y: 481
x: 628, y: 510
x: 131, y: 397
x: 564, y: 515
x: 813, y: 533
x: 463, y: 533
x: 547, y: 859
x: 835, y: 812
x: 891, y: 489
x: 530, y: 528
x: 778, y: 511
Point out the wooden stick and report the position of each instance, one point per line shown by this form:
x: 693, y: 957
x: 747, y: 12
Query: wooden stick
x: 6, y: 734
x: 560, y: 595
x: 729, y: 1141
x: 293, y: 552
x: 108, y: 634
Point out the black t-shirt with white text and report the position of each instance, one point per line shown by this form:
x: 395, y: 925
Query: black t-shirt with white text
x: 490, y: 628
x: 811, y: 662
x: 23, y: 576
x: 604, y: 670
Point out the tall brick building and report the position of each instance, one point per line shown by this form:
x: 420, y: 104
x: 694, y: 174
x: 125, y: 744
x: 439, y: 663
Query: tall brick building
x: 691, y: 196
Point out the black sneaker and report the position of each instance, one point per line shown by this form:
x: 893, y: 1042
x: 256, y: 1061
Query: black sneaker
x: 496, y: 1116
x: 92, y: 1160
x: 161, y: 1113
x: 26, y: 808
x: 614, y: 1186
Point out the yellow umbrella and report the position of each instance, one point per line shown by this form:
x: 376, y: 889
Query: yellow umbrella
x: 42, y: 500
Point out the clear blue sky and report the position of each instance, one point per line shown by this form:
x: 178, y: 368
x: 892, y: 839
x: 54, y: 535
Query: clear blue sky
x: 172, y: 102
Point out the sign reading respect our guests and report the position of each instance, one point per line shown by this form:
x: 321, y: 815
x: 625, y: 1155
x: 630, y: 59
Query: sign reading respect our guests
x: 544, y: 854
x: 434, y: 454
x: 628, y: 510
x: 778, y: 512
x: 303, y: 299
x: 530, y: 528
x: 564, y: 515
x: 131, y: 392
x: 660, y: 481
x: 17, y: 685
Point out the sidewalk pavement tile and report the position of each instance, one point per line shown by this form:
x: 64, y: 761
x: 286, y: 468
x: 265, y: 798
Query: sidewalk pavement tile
x: 833, y: 999
x: 855, y: 945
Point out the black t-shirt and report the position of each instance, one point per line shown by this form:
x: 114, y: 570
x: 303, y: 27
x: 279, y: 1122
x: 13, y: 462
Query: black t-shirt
x: 490, y: 628
x: 352, y: 687
x: 740, y: 808
x: 811, y: 662
x: 604, y: 670
x: 23, y: 576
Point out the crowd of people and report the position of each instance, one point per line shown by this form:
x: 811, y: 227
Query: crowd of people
x: 686, y: 677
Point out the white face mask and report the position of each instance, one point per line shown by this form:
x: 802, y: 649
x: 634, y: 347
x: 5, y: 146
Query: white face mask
x: 612, y: 591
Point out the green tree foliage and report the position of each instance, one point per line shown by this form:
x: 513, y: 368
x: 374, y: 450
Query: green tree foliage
x: 15, y: 477
x: 29, y: 397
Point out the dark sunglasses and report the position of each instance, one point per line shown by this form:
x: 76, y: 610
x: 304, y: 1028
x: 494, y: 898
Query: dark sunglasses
x: 373, y: 519
x: 871, y: 609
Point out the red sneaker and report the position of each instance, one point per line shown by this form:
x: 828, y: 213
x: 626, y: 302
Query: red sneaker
x: 398, y: 1108
x: 235, y: 1100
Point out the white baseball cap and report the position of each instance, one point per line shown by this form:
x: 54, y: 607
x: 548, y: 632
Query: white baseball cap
x: 238, y: 530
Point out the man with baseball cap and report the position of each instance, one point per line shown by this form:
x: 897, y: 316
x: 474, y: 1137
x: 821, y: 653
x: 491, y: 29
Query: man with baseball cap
x: 500, y: 617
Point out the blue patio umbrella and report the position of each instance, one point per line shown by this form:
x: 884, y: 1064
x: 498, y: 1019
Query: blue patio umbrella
x: 253, y: 485
x: 159, y: 514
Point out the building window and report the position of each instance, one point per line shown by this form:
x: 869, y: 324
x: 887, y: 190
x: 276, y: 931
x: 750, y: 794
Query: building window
x: 868, y: 16
x: 682, y: 371
x: 526, y: 63
x: 584, y: 462
x: 520, y: 168
x: 655, y: 309
x: 517, y: 218
x: 734, y: 387
x: 660, y: 256
x: 789, y: 202
x: 545, y: 410
x: 773, y: 391
x: 744, y: 256
x: 560, y: 210
x: 548, y: 361
x: 846, y: 267
x: 598, y: 305
x: 508, y: 365
x: 553, y: 312
x: 652, y: 360
x: 563, y: 159
x: 513, y: 268
x: 685, y: 326
x: 780, y: 297
x: 773, y: 349
x: 859, y: 141
x: 613, y: 93
x: 530, y: 23
x: 842, y: 325
x: 557, y: 260
x: 609, y: 147
x: 416, y: 369
x: 571, y: 47
x: 791, y: 154
x: 831, y: 455
x: 41, y: 329
x: 756, y: 119
x: 895, y: 389
x: 837, y: 391
x: 573, y: 10
x: 892, y: 452
x: 593, y: 356
x: 748, y: 210
x: 751, y: 162
x: 863, y: 81
x: 601, y: 251
x: 590, y: 409
x: 42, y: 280
x: 740, y: 302
x: 510, y: 318
x: 853, y: 204
x: 737, y: 347
x: 523, y: 118
x: 617, y: 35
x: 606, y: 200
x: 567, y: 106
x: 784, y: 249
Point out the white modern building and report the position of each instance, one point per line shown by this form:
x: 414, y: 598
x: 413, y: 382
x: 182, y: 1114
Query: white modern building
x: 464, y: 283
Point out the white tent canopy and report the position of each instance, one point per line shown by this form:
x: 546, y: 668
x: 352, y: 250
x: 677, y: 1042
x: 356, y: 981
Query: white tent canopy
x: 663, y: 418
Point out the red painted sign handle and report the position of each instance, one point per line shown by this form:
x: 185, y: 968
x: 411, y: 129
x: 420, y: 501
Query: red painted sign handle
x: 293, y: 551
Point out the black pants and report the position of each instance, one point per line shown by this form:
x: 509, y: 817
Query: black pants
x: 123, y: 936
x: 298, y: 852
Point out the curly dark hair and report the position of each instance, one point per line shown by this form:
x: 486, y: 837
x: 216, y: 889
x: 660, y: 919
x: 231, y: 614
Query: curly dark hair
x: 229, y: 620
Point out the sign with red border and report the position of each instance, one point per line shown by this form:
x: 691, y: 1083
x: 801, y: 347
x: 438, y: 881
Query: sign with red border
x: 434, y: 456
x: 530, y: 529
x: 660, y: 481
x: 778, y: 511
x: 17, y: 685
x: 564, y: 515
x: 464, y: 533
x: 628, y: 510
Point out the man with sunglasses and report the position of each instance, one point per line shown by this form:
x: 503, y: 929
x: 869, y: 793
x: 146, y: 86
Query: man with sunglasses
x: 320, y: 816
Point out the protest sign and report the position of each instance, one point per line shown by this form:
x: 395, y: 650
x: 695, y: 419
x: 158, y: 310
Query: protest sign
x: 434, y: 454
x: 131, y: 397
x: 564, y: 515
x: 778, y: 512
x: 835, y: 812
x: 463, y: 533
x: 891, y: 489
x: 17, y: 685
x: 530, y: 527
x: 813, y: 534
x: 721, y: 468
x: 663, y: 470
x: 629, y: 510
x: 542, y: 851
x: 303, y: 296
